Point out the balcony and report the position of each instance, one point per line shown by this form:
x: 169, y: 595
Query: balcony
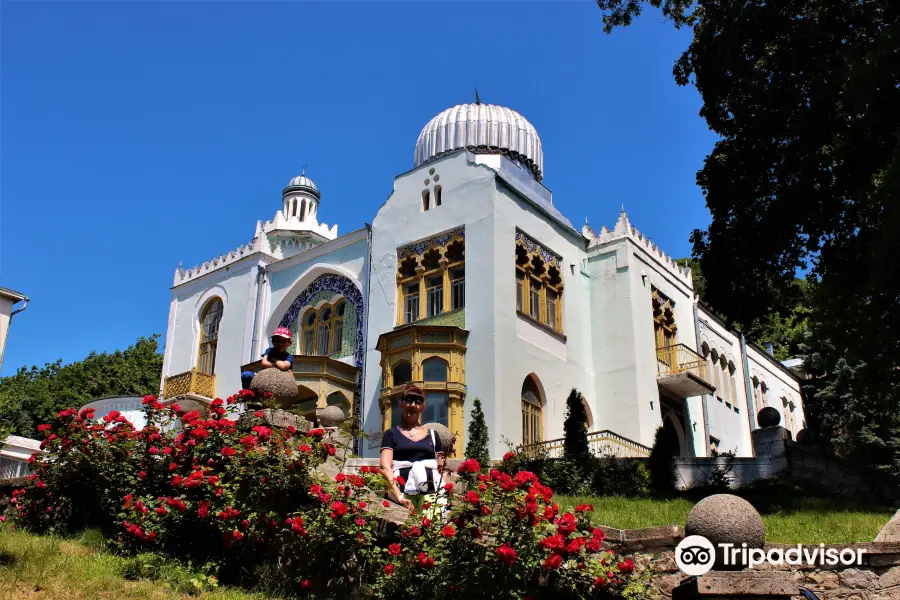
x: 682, y: 371
x: 321, y: 381
x: 190, y: 382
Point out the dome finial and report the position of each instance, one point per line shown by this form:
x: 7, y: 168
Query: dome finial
x: 477, y: 99
x: 303, y: 171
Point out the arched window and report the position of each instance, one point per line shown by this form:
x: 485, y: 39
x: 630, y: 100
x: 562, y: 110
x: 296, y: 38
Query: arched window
x: 338, y: 329
x: 309, y: 333
x: 303, y: 209
x: 426, y: 200
x: 434, y: 369
x: 532, y: 418
x: 294, y: 208
x: 788, y: 410
x: 437, y: 195
x: 714, y: 368
x: 324, y: 338
x: 402, y: 373
x: 763, y: 389
x: 732, y: 384
x: 209, y: 336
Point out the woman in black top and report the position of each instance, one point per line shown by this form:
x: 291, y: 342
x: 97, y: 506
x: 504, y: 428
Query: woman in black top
x: 409, y: 442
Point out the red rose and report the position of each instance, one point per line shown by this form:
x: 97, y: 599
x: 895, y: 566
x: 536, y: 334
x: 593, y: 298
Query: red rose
x: 448, y: 487
x: 584, y: 508
x: 389, y: 569
x: 599, y: 582
x: 340, y: 477
x: 44, y: 427
x: 598, y: 534
x: 470, y: 465
x: 394, y: 549
x: 424, y: 561
x: 448, y: 531
x: 485, y: 511
x: 552, y: 562
x: 305, y: 584
x: 305, y: 448
x: 566, y: 523
x: 153, y: 450
x: 627, y: 566
x: 339, y: 508
x: 385, y: 503
x: 228, y: 451
x: 473, y: 497
x: 506, y: 554
x: 508, y: 457
x: 148, y: 399
x: 360, y: 521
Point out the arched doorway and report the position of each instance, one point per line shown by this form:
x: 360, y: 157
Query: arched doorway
x: 532, y: 411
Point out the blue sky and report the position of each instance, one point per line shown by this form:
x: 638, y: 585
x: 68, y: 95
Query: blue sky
x: 134, y: 135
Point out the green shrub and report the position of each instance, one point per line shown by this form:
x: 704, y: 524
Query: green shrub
x: 478, y: 435
x: 662, y: 476
x: 575, y: 444
x: 249, y: 503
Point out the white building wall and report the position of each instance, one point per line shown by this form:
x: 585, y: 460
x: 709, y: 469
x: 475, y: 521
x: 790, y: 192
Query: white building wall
x: 781, y: 385
x: 6, y: 308
x: 731, y: 427
x: 467, y: 194
x: 521, y: 347
x: 236, y: 286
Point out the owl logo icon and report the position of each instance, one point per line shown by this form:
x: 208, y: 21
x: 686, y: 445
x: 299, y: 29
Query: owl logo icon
x: 695, y: 555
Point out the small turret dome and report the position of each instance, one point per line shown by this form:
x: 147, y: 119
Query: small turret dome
x: 485, y: 128
x: 302, y: 182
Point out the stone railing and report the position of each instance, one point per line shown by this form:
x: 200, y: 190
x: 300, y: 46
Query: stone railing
x: 601, y: 443
x: 190, y: 382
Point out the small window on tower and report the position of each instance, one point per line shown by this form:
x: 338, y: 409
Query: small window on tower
x: 426, y: 200
x: 437, y: 195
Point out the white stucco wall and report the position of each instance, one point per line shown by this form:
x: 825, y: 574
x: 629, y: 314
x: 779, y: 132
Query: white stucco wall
x: 780, y: 385
x: 731, y: 427
x: 236, y: 286
x: 6, y: 308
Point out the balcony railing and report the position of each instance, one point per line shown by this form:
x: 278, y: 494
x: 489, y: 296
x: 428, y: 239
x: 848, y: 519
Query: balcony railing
x: 678, y: 358
x: 600, y: 443
x: 190, y: 382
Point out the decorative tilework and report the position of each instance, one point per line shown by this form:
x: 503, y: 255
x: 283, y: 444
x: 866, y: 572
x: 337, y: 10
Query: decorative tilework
x: 421, y: 246
x: 436, y: 338
x: 454, y: 317
x: 337, y: 284
x: 405, y: 340
x: 548, y: 257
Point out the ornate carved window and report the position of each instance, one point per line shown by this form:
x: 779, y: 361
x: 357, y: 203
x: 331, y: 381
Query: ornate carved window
x: 209, y: 336
x: 433, y: 358
x: 663, y: 319
x: 431, y: 276
x: 321, y: 332
x: 539, y: 285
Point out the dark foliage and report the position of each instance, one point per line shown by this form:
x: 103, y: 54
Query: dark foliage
x: 478, y: 435
x: 575, y: 445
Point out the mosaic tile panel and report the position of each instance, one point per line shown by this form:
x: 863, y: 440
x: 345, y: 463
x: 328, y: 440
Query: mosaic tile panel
x: 456, y: 318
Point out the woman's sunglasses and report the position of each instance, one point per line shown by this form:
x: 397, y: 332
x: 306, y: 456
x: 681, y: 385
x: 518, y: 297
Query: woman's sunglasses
x: 414, y: 400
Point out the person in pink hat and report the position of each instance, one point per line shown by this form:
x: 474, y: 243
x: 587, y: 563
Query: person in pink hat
x: 277, y: 354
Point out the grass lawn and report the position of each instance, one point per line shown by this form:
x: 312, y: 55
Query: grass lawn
x: 36, y: 567
x: 813, y: 521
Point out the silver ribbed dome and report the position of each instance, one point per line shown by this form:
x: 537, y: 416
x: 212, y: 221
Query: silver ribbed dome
x: 482, y: 128
x: 302, y: 182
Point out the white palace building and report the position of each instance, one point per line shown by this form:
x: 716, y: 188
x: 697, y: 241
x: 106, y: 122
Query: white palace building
x: 472, y: 284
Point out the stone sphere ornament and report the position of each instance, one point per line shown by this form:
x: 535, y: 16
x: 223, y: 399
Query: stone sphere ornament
x: 281, y: 384
x: 768, y: 417
x: 806, y: 437
x: 725, y: 518
x: 442, y: 432
x: 330, y: 416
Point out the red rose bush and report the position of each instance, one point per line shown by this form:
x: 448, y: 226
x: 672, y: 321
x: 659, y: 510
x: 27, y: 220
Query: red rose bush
x: 252, y: 499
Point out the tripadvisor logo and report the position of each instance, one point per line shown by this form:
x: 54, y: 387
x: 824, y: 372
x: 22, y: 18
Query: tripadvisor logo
x: 695, y: 555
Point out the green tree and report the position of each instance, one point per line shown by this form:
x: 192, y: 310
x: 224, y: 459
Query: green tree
x: 575, y: 444
x: 804, y: 178
x: 477, y: 446
x: 664, y: 450
x: 34, y: 396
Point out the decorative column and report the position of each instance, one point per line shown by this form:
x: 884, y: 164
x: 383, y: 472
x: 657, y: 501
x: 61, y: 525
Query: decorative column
x: 456, y: 424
